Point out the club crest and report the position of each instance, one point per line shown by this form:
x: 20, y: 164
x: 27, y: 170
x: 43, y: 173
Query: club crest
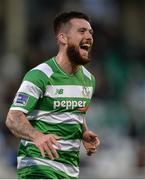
x: 86, y: 91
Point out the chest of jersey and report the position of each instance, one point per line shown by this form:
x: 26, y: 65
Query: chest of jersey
x: 68, y: 94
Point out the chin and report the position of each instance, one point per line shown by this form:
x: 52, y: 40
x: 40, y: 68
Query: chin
x: 78, y: 57
x: 86, y: 57
x: 85, y: 61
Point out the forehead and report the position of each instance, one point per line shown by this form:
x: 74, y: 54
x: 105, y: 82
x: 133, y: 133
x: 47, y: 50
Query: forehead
x: 80, y: 23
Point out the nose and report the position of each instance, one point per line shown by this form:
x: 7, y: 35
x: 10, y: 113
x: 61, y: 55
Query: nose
x: 88, y: 35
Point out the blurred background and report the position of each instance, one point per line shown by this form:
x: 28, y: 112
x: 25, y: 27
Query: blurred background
x: 117, y: 111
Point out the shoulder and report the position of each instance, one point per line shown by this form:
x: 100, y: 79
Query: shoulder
x: 39, y: 75
x: 87, y: 73
x: 44, y: 68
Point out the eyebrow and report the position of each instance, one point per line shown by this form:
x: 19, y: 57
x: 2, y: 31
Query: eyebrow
x: 85, y: 29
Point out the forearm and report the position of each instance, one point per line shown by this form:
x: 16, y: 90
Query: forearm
x: 85, y: 126
x: 20, y: 126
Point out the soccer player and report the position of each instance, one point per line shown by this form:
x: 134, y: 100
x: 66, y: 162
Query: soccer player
x: 48, y: 111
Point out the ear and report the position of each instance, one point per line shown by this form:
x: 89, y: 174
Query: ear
x: 62, y: 38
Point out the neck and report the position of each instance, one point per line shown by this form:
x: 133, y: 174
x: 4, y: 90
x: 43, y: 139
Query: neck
x: 65, y: 63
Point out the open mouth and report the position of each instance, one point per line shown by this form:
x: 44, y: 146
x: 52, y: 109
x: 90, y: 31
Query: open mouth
x: 85, y: 47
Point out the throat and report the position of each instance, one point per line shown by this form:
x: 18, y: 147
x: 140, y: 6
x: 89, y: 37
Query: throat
x: 67, y: 66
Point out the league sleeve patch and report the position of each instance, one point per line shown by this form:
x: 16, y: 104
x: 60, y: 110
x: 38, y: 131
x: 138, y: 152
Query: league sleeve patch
x: 21, y: 99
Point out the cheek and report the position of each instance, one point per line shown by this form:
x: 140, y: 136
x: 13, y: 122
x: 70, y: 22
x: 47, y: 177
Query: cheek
x: 75, y: 44
x: 74, y: 40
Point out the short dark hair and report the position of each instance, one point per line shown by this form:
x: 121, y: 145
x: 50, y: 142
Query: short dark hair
x: 64, y: 17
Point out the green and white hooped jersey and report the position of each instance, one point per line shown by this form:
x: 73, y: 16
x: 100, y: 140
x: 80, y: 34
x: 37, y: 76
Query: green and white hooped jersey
x: 54, y: 102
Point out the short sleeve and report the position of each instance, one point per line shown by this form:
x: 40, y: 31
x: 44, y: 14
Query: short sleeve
x: 30, y: 91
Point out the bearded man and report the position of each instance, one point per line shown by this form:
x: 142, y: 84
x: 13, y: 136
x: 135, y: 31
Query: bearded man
x: 48, y: 111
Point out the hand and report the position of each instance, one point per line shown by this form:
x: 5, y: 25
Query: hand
x: 47, y: 143
x: 90, y: 142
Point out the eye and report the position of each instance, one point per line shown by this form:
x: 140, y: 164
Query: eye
x: 91, y: 32
x: 82, y: 30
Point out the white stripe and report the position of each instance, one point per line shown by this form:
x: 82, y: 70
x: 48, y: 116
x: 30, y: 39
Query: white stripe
x: 28, y: 161
x: 45, y: 68
x: 65, y: 145
x: 68, y: 91
x: 30, y: 89
x: 19, y: 109
x: 68, y: 117
x: 69, y: 145
x: 86, y: 72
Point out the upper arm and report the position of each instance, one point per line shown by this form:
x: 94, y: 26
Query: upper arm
x: 31, y: 89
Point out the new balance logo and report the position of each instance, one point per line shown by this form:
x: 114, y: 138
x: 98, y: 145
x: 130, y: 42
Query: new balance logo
x: 59, y: 91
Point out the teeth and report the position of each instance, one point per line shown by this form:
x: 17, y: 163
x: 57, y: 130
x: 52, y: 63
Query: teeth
x: 86, y: 45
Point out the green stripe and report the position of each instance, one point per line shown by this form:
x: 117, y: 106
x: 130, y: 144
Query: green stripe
x: 67, y: 131
x: 41, y: 172
x: 93, y: 83
x: 43, y: 104
x: 38, y: 78
x: 66, y: 157
x: 30, y: 104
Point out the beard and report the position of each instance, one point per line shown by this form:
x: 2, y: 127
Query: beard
x: 75, y: 56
